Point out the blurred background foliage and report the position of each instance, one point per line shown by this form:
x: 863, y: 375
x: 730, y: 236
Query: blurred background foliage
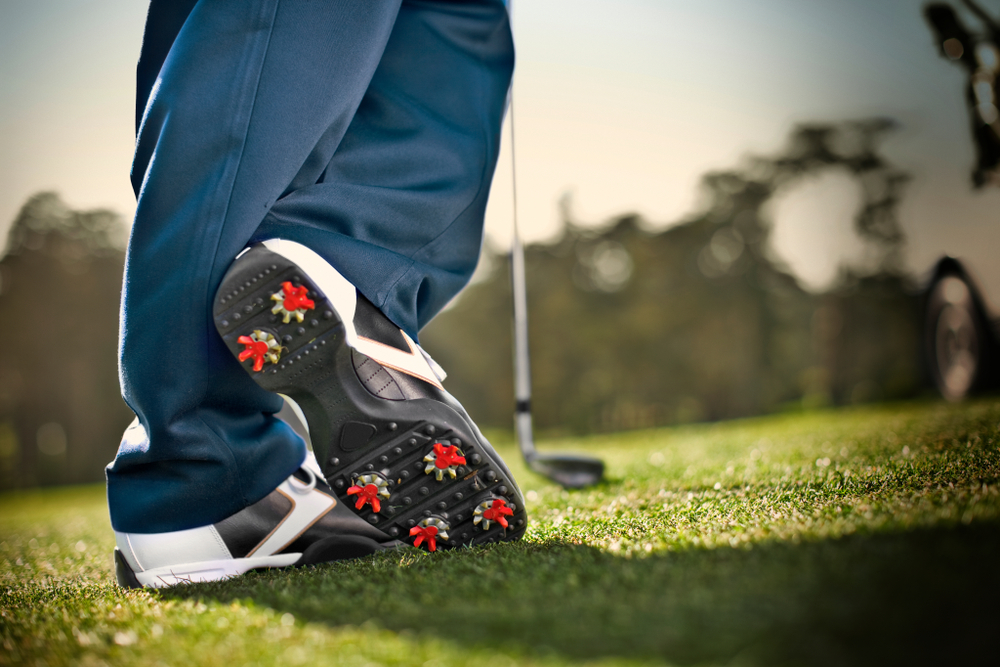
x: 629, y: 328
x: 61, y: 414
x: 632, y: 329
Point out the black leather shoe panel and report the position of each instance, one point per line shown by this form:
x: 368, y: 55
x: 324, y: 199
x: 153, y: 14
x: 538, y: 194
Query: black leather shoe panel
x: 392, y: 384
x: 243, y: 531
x: 413, y: 387
x: 123, y: 572
x: 339, y: 521
x: 371, y: 323
x: 376, y: 378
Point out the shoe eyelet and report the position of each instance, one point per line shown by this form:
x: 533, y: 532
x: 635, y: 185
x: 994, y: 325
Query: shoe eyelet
x: 302, y: 490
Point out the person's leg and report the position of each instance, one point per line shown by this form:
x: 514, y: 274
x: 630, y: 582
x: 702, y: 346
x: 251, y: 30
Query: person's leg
x: 243, y: 97
x: 397, y: 206
x: 396, y: 211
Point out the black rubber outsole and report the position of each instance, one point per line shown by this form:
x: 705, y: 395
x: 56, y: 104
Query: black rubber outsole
x: 355, y: 433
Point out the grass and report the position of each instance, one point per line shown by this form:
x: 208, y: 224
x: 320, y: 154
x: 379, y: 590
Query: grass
x: 860, y: 536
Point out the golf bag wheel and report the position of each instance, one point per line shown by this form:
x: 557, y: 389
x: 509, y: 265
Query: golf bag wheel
x: 957, y: 337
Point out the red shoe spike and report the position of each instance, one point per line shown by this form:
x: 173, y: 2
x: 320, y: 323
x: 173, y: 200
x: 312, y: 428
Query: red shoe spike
x: 292, y: 302
x: 443, y: 458
x: 428, y: 533
x: 369, y: 488
x: 492, y: 511
x: 260, y: 347
x: 430, y: 530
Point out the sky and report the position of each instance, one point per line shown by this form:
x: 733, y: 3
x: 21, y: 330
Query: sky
x: 621, y: 105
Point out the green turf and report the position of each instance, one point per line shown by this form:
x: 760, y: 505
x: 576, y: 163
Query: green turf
x: 862, y: 536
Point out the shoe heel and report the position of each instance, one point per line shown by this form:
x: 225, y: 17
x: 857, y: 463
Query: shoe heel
x: 275, y: 320
x: 287, y: 335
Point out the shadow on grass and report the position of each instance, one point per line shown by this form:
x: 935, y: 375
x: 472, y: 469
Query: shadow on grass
x: 926, y: 596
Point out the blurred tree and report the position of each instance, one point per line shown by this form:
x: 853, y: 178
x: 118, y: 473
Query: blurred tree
x: 631, y: 328
x: 61, y: 414
x: 978, y: 54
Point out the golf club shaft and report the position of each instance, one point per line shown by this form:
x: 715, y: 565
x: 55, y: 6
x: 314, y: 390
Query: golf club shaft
x: 571, y: 471
x: 522, y: 362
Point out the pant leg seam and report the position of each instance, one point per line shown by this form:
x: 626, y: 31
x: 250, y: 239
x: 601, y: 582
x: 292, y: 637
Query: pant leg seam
x: 210, y: 298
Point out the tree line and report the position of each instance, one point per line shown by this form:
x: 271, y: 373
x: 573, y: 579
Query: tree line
x: 630, y: 328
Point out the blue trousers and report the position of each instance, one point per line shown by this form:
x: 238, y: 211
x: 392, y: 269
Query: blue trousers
x: 367, y: 130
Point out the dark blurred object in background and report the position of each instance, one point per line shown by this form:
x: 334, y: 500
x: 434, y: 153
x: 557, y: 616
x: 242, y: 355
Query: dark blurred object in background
x: 979, y: 56
x: 61, y: 413
x: 961, y: 333
x: 633, y: 329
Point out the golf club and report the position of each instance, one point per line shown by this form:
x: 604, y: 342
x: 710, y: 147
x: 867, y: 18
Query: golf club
x: 570, y: 470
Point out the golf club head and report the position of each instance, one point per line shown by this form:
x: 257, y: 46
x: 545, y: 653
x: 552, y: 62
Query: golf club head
x: 568, y: 470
